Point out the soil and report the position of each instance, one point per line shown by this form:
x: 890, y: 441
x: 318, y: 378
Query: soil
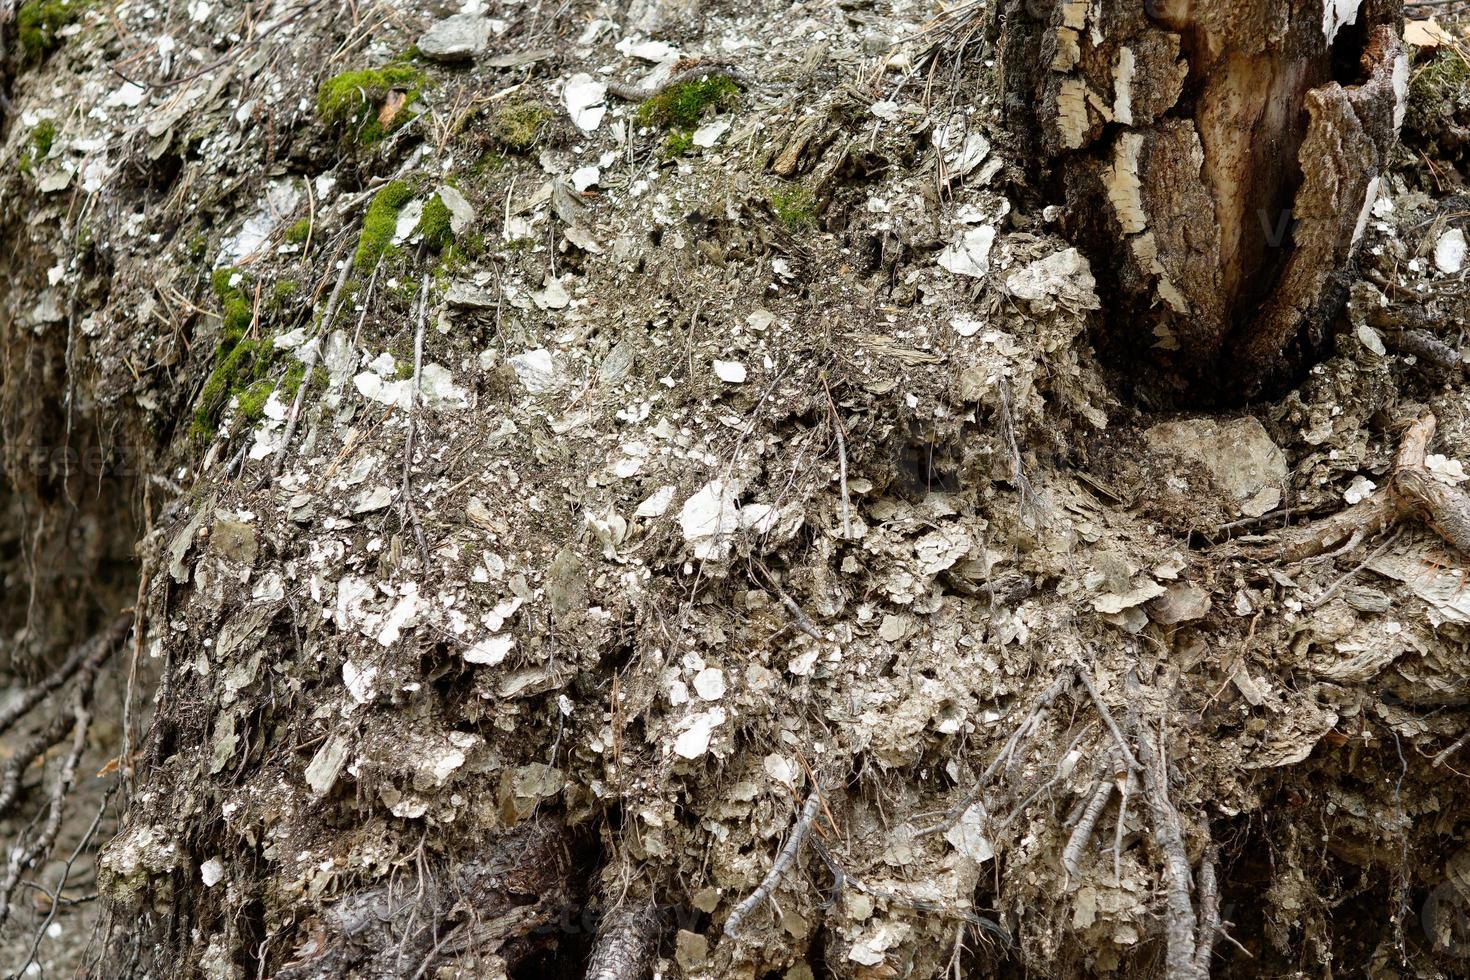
x: 505, y: 581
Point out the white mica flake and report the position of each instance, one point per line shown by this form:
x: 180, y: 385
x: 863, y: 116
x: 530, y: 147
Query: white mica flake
x: 694, y: 741
x: 585, y: 177
x: 1449, y: 252
x: 709, y: 134
x: 969, y: 254
x: 584, y: 97
x: 657, y: 503
x: 129, y: 95
x: 403, y: 615
x: 709, y: 684
x: 730, y: 372
x: 709, y: 517
x: 1359, y: 489
x: 537, y: 370
x: 781, y: 769
x: 360, y: 681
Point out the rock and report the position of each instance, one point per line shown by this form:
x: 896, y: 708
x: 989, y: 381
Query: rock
x: 566, y: 586
x: 1184, y: 602
x: 457, y: 38
x: 1236, y: 454
x: 234, y: 540
x: 523, y: 789
x: 469, y: 296
x: 1449, y: 252
x: 692, y: 949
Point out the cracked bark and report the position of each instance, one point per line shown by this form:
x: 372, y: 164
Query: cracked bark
x: 1235, y: 150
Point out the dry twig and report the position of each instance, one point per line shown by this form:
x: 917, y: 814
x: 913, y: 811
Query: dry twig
x: 778, y: 868
x: 1023, y: 730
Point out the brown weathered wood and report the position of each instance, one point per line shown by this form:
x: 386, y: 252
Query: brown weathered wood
x: 1219, y: 158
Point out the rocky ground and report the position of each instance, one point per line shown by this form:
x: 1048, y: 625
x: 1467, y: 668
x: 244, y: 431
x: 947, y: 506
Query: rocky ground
x: 575, y: 448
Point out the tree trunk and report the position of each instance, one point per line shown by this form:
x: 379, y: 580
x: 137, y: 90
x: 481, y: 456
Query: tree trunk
x: 1220, y: 161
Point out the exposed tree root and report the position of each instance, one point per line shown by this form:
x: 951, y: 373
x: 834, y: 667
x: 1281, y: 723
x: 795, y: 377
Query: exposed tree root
x: 778, y: 869
x: 79, y: 670
x: 1022, y: 732
x: 410, y: 925
x: 1181, y: 926
x: 1411, y: 491
x: 626, y: 942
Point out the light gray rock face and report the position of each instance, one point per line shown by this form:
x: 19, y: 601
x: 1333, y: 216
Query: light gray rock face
x: 457, y: 38
x: 1237, y: 454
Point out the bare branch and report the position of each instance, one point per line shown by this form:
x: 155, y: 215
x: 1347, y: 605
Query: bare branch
x: 778, y: 869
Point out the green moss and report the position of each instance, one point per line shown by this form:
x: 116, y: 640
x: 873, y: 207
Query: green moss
x: 250, y: 403
x: 435, y: 224
x: 379, y: 224
x: 43, y: 137
x: 237, y: 311
x: 518, y: 123
x: 242, y: 374
x: 349, y: 101
x: 298, y: 233
x: 1440, y: 88
x: 796, y: 206
x: 283, y: 292
x: 678, y: 143
x: 489, y: 162
x: 39, y: 24
x: 198, y: 246
x: 236, y: 369
x: 683, y: 106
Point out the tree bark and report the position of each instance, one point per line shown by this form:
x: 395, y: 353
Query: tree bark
x: 1219, y: 161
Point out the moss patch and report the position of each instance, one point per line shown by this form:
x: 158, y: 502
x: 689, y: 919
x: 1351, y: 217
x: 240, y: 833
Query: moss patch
x: 796, y: 206
x: 379, y: 224
x: 299, y: 232
x: 678, y: 143
x: 283, y: 292
x: 39, y: 24
x: 236, y: 310
x: 517, y: 124
x: 349, y: 101
x: 435, y: 225
x: 1440, y: 88
x: 43, y: 137
x: 683, y: 106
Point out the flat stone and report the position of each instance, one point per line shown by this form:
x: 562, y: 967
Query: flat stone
x: 691, y: 950
x: 1237, y: 454
x: 1182, y: 603
x: 457, y: 38
x: 469, y: 296
x: 233, y: 539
